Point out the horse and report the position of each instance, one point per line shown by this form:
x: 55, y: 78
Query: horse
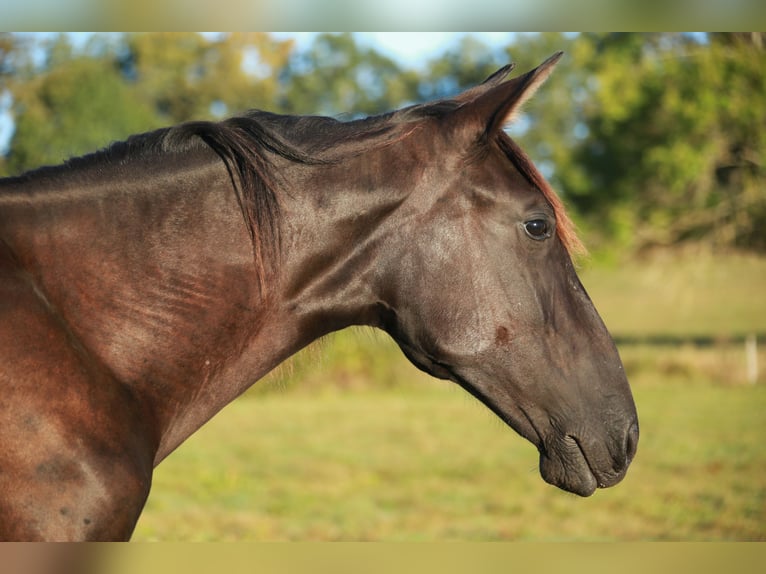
x: 148, y: 284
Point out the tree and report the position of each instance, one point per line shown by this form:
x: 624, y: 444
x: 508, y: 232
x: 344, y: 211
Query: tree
x: 675, y: 146
x: 76, y: 106
x: 192, y: 76
x: 463, y: 66
x: 78, y: 100
x: 337, y: 76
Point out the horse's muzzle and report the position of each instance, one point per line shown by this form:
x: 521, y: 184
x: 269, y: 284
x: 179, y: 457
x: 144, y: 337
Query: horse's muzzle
x: 580, y: 464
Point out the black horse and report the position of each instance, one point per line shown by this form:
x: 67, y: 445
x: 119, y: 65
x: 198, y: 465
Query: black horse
x: 145, y: 286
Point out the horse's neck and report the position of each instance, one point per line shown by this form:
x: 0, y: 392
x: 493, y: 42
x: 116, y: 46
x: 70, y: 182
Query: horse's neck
x: 325, y: 280
x: 335, y: 236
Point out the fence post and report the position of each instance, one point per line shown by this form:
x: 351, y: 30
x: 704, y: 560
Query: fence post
x: 751, y: 358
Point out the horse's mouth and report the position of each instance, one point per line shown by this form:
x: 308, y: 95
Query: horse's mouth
x: 567, y: 466
x: 568, y: 469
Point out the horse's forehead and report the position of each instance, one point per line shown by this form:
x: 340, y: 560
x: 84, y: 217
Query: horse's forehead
x: 492, y: 169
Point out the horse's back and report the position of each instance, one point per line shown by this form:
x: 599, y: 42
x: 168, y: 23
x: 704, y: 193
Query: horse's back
x: 73, y: 447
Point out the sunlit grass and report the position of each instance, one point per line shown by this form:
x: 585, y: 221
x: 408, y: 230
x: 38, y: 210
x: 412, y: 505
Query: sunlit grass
x: 430, y: 464
x: 681, y: 294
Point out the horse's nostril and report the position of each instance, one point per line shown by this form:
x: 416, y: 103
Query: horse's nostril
x: 631, y: 441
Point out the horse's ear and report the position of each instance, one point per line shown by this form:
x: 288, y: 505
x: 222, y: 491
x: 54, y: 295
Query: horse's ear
x: 488, y: 110
x: 492, y: 81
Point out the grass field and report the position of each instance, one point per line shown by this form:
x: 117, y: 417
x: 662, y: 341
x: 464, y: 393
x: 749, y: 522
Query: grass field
x: 352, y: 443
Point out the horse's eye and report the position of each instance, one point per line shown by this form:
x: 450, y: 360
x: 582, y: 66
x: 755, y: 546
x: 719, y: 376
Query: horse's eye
x: 537, y: 228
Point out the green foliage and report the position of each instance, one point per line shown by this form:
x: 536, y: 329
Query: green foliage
x: 73, y: 101
x: 190, y: 76
x: 72, y: 110
x: 675, y: 146
x: 463, y: 66
x: 336, y: 75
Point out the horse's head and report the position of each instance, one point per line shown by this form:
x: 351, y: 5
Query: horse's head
x: 484, y: 293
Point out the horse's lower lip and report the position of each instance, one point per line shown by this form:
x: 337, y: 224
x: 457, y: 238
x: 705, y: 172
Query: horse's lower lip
x: 583, y: 484
x: 570, y: 472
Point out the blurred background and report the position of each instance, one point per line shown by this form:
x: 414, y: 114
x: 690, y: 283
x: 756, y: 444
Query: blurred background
x: 655, y: 142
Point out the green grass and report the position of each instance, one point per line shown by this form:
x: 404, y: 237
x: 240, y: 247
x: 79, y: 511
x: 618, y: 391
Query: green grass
x: 431, y: 464
x: 689, y: 294
x: 350, y: 442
